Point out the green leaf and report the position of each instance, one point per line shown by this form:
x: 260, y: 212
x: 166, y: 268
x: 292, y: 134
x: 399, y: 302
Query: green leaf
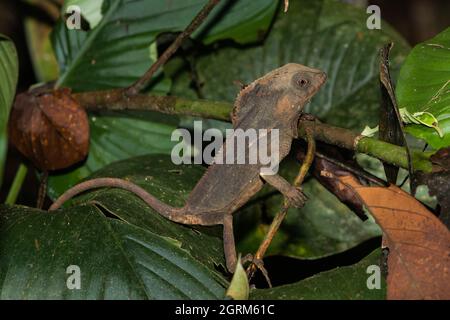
x: 140, y: 254
x: 324, y: 34
x: 9, y: 72
x: 117, y: 260
x: 243, y: 21
x: 422, y: 118
x: 171, y: 184
x: 91, y: 10
x: 337, y: 284
x: 116, y: 52
x: 423, y: 88
x: 40, y: 49
x: 239, y: 288
x: 370, y: 132
x: 116, y: 136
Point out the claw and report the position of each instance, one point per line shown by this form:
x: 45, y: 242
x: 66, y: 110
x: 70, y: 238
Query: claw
x: 297, y: 198
x: 259, y: 263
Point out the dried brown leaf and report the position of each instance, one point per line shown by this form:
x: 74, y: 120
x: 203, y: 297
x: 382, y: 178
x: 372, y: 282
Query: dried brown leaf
x: 419, y: 244
x: 390, y: 123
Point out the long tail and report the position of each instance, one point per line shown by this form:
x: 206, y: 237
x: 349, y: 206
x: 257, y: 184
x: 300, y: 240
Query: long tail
x: 171, y: 213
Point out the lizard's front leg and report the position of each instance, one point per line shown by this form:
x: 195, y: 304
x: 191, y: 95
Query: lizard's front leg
x: 294, y: 195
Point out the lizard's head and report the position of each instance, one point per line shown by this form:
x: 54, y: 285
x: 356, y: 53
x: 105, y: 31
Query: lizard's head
x: 304, y: 82
x: 280, y: 95
x: 297, y: 84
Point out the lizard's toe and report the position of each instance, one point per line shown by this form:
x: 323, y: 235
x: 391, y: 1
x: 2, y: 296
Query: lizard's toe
x: 297, y: 198
x: 259, y: 264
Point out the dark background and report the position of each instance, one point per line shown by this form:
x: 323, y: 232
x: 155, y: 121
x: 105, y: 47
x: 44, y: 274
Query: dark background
x: 416, y: 20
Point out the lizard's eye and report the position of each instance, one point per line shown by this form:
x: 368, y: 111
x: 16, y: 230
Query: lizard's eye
x: 302, y: 83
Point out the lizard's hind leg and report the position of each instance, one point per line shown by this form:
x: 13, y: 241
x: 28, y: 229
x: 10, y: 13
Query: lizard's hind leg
x: 228, y: 242
x: 230, y: 249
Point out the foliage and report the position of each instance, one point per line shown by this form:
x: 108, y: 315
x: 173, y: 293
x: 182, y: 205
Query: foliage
x: 9, y: 72
x: 125, y: 249
x: 424, y: 90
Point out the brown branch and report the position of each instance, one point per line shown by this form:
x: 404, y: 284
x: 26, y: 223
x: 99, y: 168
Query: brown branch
x: 42, y: 190
x: 115, y: 100
x: 136, y: 87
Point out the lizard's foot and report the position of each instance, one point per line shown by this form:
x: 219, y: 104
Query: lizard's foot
x: 259, y: 263
x: 308, y: 117
x: 296, y: 197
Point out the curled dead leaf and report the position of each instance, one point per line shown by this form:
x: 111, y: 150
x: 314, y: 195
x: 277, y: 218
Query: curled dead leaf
x: 390, y: 124
x: 50, y: 128
x: 332, y: 162
x: 325, y: 172
x: 419, y: 244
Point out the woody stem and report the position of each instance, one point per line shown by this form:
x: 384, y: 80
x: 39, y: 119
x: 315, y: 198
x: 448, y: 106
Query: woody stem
x: 341, y: 137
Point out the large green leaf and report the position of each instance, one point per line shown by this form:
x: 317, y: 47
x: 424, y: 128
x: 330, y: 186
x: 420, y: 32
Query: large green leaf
x: 117, y: 136
x: 324, y: 34
x: 91, y: 10
x: 424, y: 86
x: 169, y: 183
x: 117, y: 260
x: 9, y: 71
x: 342, y: 283
x: 116, y: 52
x: 40, y: 48
x: 142, y: 255
x: 138, y: 255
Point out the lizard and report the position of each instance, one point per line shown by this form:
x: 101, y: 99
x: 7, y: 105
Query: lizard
x: 274, y: 101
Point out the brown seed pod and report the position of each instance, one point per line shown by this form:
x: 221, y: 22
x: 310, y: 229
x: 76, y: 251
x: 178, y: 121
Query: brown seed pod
x: 50, y: 128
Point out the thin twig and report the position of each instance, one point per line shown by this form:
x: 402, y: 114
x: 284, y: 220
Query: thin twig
x: 404, y: 181
x: 145, y: 79
x: 275, y: 225
x: 286, y: 5
x: 42, y: 190
x: 309, y: 158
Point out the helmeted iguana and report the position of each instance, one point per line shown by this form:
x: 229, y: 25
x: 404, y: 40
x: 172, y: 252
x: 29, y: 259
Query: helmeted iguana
x: 274, y: 101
